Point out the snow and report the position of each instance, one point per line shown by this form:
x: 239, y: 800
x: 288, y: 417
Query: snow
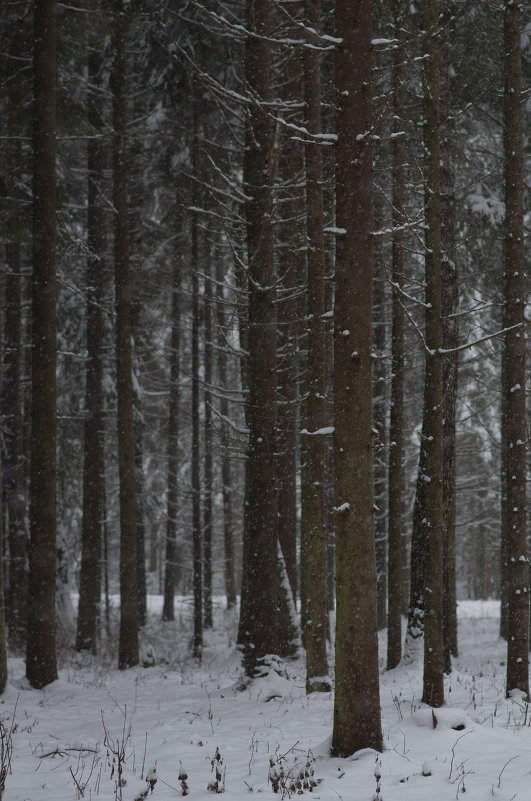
x: 177, y: 713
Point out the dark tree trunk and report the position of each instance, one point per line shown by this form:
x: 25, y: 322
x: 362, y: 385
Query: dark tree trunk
x: 515, y: 547
x: 357, y: 721
x: 41, y: 666
x: 15, y: 491
x: 196, y: 433
x: 128, y: 645
x: 291, y: 257
x: 450, y: 290
x: 93, y: 465
x: 138, y: 433
x: 3, y: 643
x: 313, y: 519
x: 259, y: 604
x: 432, y: 522
x: 208, y: 461
x: 140, y: 519
x: 379, y: 425
x: 171, y: 571
x: 226, y: 471
x: 396, y: 425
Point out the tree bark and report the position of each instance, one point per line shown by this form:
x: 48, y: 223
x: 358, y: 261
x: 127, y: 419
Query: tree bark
x: 517, y: 576
x: 432, y: 522
x: 357, y: 721
x: 208, y: 460
x: 41, y: 665
x: 138, y: 428
x: 313, y: 519
x: 171, y: 569
x: 260, y: 554
x: 197, y: 543
x: 226, y: 471
x: 450, y: 291
x: 379, y: 424
x: 3, y: 643
x: 128, y: 641
x: 396, y: 424
x: 291, y: 266
x: 93, y: 465
x: 14, y: 483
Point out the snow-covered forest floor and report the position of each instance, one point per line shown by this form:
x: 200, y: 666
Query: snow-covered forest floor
x: 175, y: 715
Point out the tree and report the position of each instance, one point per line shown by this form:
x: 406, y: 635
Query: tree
x: 396, y: 425
x: 357, y: 721
x: 226, y: 471
x: 41, y: 665
x: 432, y: 522
x: 128, y: 643
x: 450, y: 291
x: 196, y: 456
x: 259, y: 602
x: 13, y: 367
x: 93, y: 465
x: 208, y: 461
x: 514, y: 362
x: 170, y: 561
x: 313, y: 519
x: 3, y: 643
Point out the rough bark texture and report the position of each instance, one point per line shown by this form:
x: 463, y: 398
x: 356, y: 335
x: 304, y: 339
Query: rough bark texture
x: 380, y: 421
x: 41, y: 666
x: 15, y: 491
x: 226, y: 471
x: 450, y: 290
x: 291, y: 266
x: 396, y: 424
x: 357, y: 703
x: 208, y: 461
x: 260, y: 549
x: 88, y: 618
x: 3, y: 643
x: 196, y: 456
x: 171, y: 564
x: 140, y: 523
x: 432, y: 522
x: 517, y: 576
x: 128, y: 640
x: 313, y: 518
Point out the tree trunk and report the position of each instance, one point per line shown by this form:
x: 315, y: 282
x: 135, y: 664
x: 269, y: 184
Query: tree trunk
x: 196, y: 456
x: 128, y: 644
x: 41, y: 666
x: 140, y: 521
x: 260, y: 556
x: 208, y: 460
x: 171, y: 564
x: 357, y: 721
x: 93, y: 465
x: 313, y: 528
x: 432, y: 522
x: 226, y: 472
x: 14, y: 499
x: 513, y: 389
x: 396, y: 425
x: 291, y: 265
x: 3, y: 643
x: 450, y: 293
x: 379, y: 425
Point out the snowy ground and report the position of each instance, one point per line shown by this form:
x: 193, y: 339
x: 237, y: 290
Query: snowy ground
x: 177, y: 714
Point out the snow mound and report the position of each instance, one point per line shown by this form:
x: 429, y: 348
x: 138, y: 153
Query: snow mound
x: 441, y: 718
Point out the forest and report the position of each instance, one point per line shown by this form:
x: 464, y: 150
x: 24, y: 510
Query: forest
x: 264, y: 387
